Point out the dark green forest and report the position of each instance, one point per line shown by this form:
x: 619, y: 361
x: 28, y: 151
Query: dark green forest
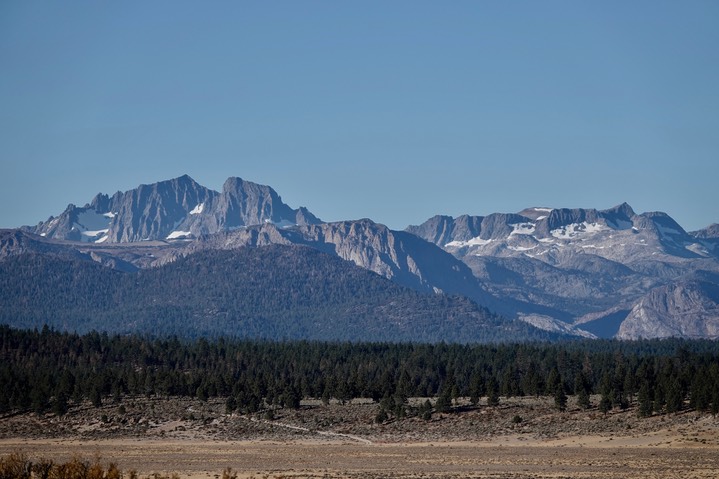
x: 275, y: 292
x: 48, y: 371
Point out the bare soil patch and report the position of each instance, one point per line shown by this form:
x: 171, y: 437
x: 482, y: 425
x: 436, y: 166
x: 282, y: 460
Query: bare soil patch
x: 197, y: 439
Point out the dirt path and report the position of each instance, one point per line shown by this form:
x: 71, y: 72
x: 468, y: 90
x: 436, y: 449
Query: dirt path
x: 329, y: 434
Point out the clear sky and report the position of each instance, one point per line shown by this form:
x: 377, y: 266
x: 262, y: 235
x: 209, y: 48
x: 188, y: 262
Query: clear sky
x: 391, y: 110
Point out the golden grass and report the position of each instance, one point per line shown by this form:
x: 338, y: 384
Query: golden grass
x: 17, y: 465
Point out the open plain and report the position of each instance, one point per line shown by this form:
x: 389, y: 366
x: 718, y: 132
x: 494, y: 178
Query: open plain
x: 520, y: 438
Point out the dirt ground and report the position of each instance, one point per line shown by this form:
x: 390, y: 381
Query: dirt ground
x: 197, y: 440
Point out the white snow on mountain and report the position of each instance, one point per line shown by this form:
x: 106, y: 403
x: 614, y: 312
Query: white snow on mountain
x: 93, y: 226
x: 198, y: 209
x: 576, y: 229
x: 179, y: 235
x: 472, y: 242
x: 522, y: 229
x: 283, y: 223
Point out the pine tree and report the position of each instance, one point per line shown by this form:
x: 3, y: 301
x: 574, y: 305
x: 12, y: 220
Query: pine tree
x: 475, y: 388
x: 583, y: 400
x: 426, y: 410
x: 492, y: 392
x: 674, y: 396
x: 645, y: 401
x: 581, y: 389
x: 230, y: 404
x: 95, y: 396
x: 605, y: 404
x: 560, y: 398
x: 59, y: 405
x: 444, y: 400
x: 553, y: 380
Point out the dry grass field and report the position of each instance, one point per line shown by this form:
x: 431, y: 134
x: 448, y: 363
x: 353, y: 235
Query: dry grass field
x: 521, y: 438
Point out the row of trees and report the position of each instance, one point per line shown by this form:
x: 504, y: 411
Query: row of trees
x: 48, y: 370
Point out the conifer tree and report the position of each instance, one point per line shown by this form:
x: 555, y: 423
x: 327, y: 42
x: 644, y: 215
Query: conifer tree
x: 560, y: 398
x: 644, y: 398
x: 492, y: 392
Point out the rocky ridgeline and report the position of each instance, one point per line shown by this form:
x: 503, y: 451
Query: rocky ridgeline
x: 610, y: 273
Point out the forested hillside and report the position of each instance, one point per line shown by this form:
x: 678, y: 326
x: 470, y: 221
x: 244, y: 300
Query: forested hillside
x: 270, y: 292
x: 47, y: 370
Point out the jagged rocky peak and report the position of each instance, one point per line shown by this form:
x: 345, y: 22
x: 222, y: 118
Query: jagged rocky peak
x: 305, y: 217
x: 174, y: 209
x: 623, y: 211
x: 244, y: 203
x: 619, y: 217
x: 155, y: 211
x: 444, y: 230
x: 540, y: 222
x: 438, y: 229
x: 100, y: 203
x: 661, y: 222
x: 553, y: 234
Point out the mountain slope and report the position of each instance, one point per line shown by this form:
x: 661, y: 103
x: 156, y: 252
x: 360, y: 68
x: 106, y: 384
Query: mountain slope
x: 275, y: 292
x: 398, y: 256
x: 688, y: 309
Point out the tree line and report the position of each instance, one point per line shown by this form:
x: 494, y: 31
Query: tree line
x: 48, y: 371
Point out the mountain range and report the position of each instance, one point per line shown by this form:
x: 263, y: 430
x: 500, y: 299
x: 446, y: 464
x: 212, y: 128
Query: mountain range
x: 545, y: 272
x: 175, y: 209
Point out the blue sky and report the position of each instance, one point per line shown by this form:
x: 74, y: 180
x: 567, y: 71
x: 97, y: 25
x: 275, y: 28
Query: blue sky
x: 395, y: 111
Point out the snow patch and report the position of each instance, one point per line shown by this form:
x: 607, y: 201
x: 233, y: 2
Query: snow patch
x: 540, y: 218
x: 179, y: 235
x: 109, y: 214
x: 92, y: 225
x: 697, y: 248
x: 473, y: 242
x: 198, y: 209
x: 91, y: 220
x: 285, y: 224
x: 95, y: 233
x: 544, y: 210
x: 522, y: 248
x: 522, y: 229
x: 576, y: 229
